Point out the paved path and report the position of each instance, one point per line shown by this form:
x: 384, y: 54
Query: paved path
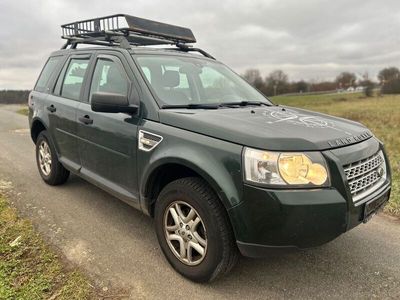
x: 116, y: 244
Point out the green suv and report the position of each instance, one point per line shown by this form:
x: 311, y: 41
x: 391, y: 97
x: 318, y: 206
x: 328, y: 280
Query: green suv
x: 180, y: 136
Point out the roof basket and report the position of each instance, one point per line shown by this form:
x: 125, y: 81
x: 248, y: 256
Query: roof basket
x: 125, y: 30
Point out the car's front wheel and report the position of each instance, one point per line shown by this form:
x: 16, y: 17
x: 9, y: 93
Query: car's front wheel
x: 50, y: 169
x: 194, y: 231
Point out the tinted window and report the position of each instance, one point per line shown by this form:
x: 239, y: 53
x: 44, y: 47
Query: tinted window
x: 47, y: 71
x: 73, y: 78
x: 108, y: 77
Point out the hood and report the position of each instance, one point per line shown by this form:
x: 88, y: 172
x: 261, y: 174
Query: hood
x: 278, y: 128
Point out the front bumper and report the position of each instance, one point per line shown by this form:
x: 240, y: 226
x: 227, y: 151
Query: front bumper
x: 271, y: 218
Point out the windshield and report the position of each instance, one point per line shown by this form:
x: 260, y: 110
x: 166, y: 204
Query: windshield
x: 191, y: 81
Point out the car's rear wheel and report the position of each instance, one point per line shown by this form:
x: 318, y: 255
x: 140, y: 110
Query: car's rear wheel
x: 50, y: 169
x: 194, y: 231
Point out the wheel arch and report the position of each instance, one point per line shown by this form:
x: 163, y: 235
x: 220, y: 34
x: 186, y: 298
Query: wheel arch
x: 169, y: 169
x: 37, y: 127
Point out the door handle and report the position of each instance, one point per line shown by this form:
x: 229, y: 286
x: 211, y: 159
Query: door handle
x: 51, y: 108
x: 86, y: 120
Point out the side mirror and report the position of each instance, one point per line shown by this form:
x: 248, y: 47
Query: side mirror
x: 112, y: 103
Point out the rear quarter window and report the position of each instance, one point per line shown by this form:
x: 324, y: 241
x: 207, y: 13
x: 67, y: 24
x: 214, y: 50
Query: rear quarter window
x: 47, y: 72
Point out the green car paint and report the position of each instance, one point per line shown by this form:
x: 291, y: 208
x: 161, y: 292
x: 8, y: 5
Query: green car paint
x: 208, y: 143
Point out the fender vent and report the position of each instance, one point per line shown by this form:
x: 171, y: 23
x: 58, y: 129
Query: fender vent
x: 148, y: 141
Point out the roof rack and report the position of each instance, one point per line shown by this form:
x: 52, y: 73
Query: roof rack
x: 124, y: 30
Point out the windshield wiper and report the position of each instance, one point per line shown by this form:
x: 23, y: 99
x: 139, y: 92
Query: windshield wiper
x: 215, y: 105
x: 245, y: 103
x: 191, y: 106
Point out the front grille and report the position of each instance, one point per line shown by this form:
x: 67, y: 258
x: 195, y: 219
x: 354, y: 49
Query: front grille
x: 365, y: 176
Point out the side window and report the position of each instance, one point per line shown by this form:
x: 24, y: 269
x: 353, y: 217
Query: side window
x: 73, y: 79
x: 147, y: 73
x: 108, y: 77
x: 47, y: 72
x: 57, y: 88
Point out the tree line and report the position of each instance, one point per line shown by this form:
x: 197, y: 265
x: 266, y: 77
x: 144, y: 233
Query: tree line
x: 277, y: 82
x: 14, y: 96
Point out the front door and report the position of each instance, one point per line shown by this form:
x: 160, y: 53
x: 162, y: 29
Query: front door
x: 108, y: 141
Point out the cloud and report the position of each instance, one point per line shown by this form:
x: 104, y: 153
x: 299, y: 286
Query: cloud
x: 311, y: 39
x: 252, y: 31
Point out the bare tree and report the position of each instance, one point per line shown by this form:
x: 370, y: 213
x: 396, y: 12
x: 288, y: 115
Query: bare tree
x: 277, y: 81
x: 345, y: 79
x: 300, y: 86
x: 253, y: 77
x: 388, y: 74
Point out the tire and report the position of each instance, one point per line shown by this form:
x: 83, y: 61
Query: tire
x: 213, y: 231
x: 50, y: 169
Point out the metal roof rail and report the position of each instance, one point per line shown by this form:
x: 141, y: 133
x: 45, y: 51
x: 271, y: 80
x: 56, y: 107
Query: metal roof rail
x: 189, y: 48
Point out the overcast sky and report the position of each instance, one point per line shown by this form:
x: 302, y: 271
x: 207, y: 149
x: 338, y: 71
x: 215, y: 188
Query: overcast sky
x: 309, y: 39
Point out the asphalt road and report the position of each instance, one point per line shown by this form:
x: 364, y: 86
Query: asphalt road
x: 117, y: 245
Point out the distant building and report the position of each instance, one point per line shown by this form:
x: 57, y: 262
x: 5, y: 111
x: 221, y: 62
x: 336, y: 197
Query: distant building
x: 360, y: 89
x: 351, y: 89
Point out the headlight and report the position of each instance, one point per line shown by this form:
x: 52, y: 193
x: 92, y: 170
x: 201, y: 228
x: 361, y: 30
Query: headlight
x: 285, y: 168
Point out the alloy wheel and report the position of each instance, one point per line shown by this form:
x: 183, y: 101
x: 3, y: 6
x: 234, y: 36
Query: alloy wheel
x: 185, y: 233
x: 44, y: 158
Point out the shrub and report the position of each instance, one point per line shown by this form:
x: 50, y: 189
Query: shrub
x: 391, y: 87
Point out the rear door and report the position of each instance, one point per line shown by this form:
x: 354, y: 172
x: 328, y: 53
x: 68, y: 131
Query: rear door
x: 38, y: 96
x: 62, y: 107
x: 108, y: 141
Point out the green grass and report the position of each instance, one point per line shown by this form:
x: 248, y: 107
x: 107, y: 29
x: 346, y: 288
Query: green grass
x: 380, y: 114
x: 30, y: 269
x: 23, y: 111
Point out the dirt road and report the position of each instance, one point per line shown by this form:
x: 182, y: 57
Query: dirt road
x: 117, y: 245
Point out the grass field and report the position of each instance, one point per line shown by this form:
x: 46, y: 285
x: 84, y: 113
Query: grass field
x: 23, y: 111
x: 380, y: 114
x: 29, y: 269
